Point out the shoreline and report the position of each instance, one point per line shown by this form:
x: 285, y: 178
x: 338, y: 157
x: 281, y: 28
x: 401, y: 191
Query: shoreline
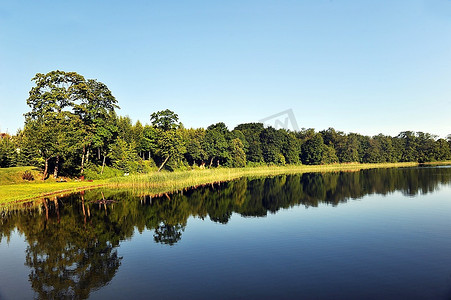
x: 167, y: 182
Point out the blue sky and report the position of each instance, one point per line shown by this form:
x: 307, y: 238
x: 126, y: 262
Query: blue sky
x: 358, y: 66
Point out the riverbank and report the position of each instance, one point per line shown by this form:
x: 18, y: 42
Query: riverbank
x: 164, y: 182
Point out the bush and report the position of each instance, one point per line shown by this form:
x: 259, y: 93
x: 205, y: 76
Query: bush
x: 27, y: 176
x: 94, y: 172
x: 145, y: 166
x: 255, y: 164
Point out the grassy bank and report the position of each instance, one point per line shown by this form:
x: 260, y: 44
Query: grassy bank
x: 168, y: 182
x: 156, y: 183
x: 14, y: 175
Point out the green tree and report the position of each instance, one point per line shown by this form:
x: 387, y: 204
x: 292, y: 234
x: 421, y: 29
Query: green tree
x: 442, y: 150
x: 123, y: 156
x: 425, y: 146
x: 52, y: 94
x: 149, y: 141
x: 251, y: 133
x: 374, y: 153
x: 215, y: 144
x: 28, y: 154
x: 238, y: 157
x: 329, y: 155
x: 194, y: 140
x: 271, y: 144
x: 97, y: 112
x: 8, y: 154
x: 165, y: 120
x: 409, y: 146
x: 291, y: 147
x: 170, y: 143
x: 312, y: 150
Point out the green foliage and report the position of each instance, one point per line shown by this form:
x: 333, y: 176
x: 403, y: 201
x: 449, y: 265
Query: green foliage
x: 216, y: 145
x: 165, y: 120
x: 95, y: 172
x: 271, y: 145
x: 68, y: 114
x: 72, y: 123
x: 194, y: 141
x: 291, y: 147
x: 123, y: 156
x: 13, y: 175
x: 329, y: 155
x: 251, y: 133
x: 280, y: 159
x: 238, y: 157
x: 312, y: 150
x: 8, y: 154
x: 442, y: 150
x: 170, y: 145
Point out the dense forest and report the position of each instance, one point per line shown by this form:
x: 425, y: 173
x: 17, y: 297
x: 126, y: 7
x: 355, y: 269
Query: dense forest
x: 73, y: 129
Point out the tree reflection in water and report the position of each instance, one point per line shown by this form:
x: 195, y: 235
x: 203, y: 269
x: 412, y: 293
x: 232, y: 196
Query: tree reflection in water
x: 73, y: 240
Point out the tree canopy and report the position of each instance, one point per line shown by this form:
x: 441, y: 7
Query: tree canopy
x: 72, y: 125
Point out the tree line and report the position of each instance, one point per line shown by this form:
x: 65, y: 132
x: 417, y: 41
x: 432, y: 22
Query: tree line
x: 73, y: 128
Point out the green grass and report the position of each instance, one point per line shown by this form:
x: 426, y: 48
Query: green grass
x: 24, y: 191
x: 14, y: 175
x: 168, y: 182
x: 156, y: 183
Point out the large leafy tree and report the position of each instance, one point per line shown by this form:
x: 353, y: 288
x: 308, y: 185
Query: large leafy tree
x: 69, y: 113
x: 408, y: 143
x: 271, y: 144
x: 442, y: 150
x: 55, y: 91
x: 170, y: 143
x: 165, y: 120
x: 251, y: 133
x: 97, y: 112
x: 51, y: 97
x: 216, y: 144
x: 291, y: 147
x: 312, y: 150
x: 194, y: 141
x: 238, y: 157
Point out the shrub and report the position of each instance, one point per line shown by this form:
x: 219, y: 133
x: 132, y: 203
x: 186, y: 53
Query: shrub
x: 27, y: 176
x: 94, y: 172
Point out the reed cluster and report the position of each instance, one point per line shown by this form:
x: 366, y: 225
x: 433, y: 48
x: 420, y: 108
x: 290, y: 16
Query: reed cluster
x: 164, y: 182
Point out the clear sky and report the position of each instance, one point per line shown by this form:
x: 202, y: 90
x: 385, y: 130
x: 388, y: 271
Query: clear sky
x: 358, y: 66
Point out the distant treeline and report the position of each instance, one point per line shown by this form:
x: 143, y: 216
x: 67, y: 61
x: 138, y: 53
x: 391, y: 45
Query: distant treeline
x: 73, y: 128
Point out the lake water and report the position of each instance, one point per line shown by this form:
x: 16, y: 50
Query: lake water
x: 373, y: 234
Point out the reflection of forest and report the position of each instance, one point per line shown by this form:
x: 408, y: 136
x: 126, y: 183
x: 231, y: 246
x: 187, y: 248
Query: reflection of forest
x: 72, y: 241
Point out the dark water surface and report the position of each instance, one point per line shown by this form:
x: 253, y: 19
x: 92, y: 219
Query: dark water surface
x: 373, y: 234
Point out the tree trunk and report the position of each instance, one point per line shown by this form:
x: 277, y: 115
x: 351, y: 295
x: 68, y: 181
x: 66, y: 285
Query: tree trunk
x: 87, y: 156
x: 162, y: 165
x: 98, y: 153
x: 55, y: 171
x: 83, y: 160
x: 211, y: 161
x: 103, y: 164
x: 46, y: 169
x: 149, y: 155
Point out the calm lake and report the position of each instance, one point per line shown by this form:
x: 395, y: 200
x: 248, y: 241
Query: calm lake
x: 373, y: 234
